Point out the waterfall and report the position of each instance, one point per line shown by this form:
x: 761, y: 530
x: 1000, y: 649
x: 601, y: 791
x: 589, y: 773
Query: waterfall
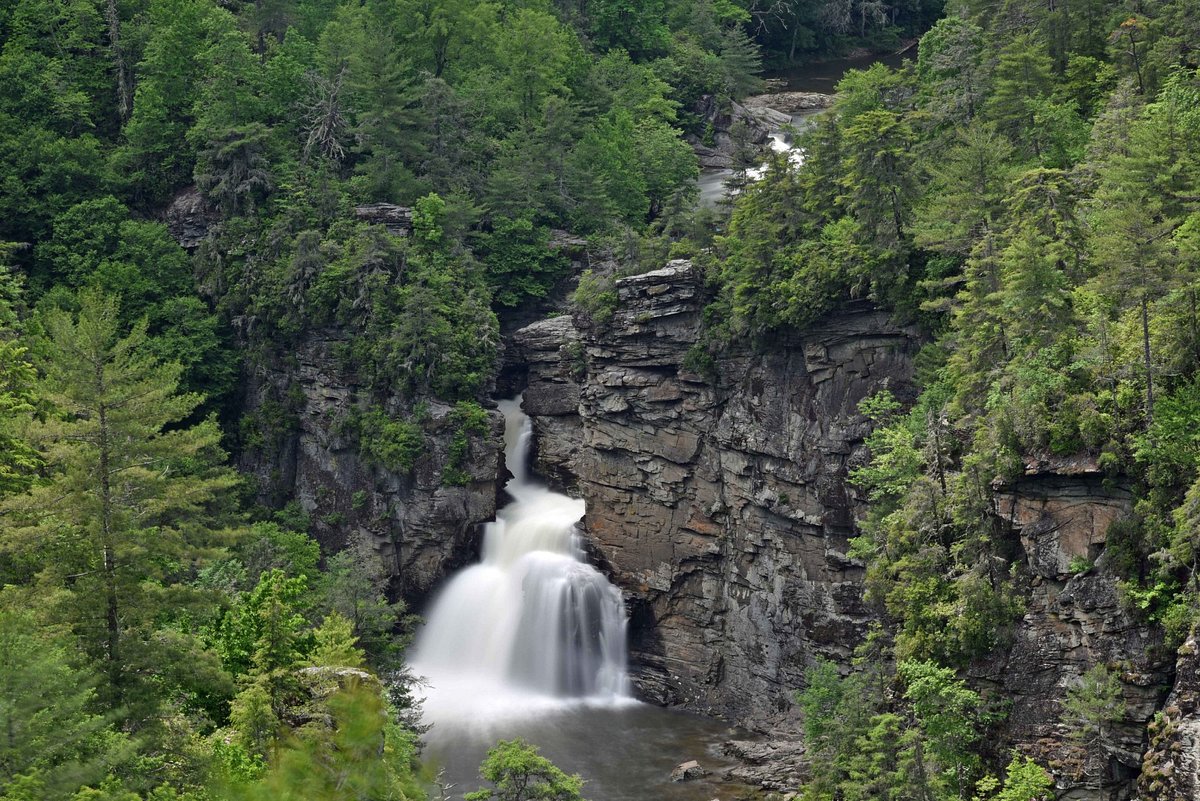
x: 532, y: 623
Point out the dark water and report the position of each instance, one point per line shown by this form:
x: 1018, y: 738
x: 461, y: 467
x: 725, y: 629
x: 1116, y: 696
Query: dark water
x: 824, y: 76
x: 625, y: 753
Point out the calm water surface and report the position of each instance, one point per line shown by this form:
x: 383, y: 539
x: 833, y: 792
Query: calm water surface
x: 823, y: 76
x: 625, y: 753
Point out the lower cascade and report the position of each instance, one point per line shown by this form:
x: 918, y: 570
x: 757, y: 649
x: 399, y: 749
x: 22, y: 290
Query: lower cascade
x: 531, y: 621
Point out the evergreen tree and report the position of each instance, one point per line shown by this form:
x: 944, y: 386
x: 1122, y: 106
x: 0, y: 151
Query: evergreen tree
x: 122, y: 517
x: 517, y: 772
x: 53, y: 743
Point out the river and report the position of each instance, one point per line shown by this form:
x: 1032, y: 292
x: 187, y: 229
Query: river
x: 822, y: 77
x: 530, y: 642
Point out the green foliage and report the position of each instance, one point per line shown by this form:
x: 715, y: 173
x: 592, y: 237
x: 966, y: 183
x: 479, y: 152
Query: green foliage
x: 129, y: 503
x: 1024, y: 780
x: 357, y: 754
x: 596, y: 296
x: 262, y: 629
x: 469, y: 419
x: 355, y: 588
x: 520, y: 265
x: 864, y: 748
x: 334, y: 644
x: 517, y: 772
x: 53, y: 738
x: 1091, y: 710
x: 392, y: 444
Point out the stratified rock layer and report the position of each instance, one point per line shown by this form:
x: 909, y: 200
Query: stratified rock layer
x: 720, y: 503
x: 1075, y: 620
x: 1171, y: 766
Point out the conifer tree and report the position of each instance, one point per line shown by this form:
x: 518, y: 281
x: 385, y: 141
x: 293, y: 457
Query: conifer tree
x: 122, y: 516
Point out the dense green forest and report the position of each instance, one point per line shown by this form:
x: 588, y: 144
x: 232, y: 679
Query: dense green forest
x: 1027, y: 190
x: 163, y: 636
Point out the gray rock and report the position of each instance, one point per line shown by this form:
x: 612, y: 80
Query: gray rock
x: 189, y: 218
x: 721, y: 506
x: 789, y: 102
x: 687, y: 771
x: 1170, y: 769
x: 418, y: 526
x: 396, y: 219
x: 719, y: 152
x: 722, y: 509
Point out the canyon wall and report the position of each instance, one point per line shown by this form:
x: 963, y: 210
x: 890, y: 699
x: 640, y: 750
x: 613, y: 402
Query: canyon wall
x: 718, y: 500
x: 298, y: 447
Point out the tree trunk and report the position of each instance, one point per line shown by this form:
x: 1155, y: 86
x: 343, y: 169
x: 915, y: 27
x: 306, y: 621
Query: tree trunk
x: 1146, y: 357
x: 112, y: 610
x: 124, y: 94
x: 1136, y: 64
x: 1195, y: 327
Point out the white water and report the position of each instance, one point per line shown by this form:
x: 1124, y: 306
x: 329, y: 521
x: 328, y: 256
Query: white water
x: 532, y: 626
x: 714, y: 183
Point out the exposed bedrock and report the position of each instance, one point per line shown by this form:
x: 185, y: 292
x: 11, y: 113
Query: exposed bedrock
x: 1171, y: 765
x: 720, y: 505
x: 1074, y: 621
x: 298, y: 446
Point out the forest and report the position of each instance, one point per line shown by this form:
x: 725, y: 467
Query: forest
x: 1025, y: 190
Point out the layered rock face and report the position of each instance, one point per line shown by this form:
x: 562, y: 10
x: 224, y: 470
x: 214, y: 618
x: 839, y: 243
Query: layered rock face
x: 1075, y: 621
x: 719, y: 504
x: 299, y: 448
x: 1171, y: 766
x: 295, y: 443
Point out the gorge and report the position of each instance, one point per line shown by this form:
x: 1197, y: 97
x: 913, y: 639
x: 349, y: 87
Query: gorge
x: 720, y: 504
x: 599, y: 400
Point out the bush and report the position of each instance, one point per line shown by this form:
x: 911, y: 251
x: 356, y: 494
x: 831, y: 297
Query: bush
x: 392, y: 444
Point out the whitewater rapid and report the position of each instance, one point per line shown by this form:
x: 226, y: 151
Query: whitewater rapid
x: 532, y: 626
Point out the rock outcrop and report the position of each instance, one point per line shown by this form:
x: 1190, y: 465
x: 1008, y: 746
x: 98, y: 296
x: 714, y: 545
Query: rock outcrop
x: 1171, y: 766
x: 1075, y: 622
x: 720, y: 502
x: 789, y: 102
x: 298, y: 447
x: 718, y: 499
x: 189, y: 218
x: 733, y: 132
x: 396, y: 219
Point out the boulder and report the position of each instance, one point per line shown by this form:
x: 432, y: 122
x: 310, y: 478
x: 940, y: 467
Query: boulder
x: 686, y: 771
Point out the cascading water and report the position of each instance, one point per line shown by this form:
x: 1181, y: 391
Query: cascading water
x: 532, y: 624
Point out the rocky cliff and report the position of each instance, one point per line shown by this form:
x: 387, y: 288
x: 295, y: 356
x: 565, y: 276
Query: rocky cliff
x: 1075, y: 623
x: 719, y: 502
x: 1171, y: 766
x: 298, y: 446
x: 296, y: 442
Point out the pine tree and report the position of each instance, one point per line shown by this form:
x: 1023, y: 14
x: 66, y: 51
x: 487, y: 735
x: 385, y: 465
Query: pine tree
x: 121, y: 517
x: 879, y: 180
x: 52, y: 739
x: 1022, y: 74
